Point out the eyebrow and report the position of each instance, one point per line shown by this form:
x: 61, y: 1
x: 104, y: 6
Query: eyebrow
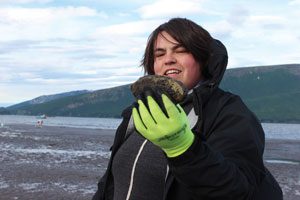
x: 173, y: 48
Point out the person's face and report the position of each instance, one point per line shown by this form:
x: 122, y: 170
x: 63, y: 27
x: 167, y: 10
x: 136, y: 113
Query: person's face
x: 171, y: 59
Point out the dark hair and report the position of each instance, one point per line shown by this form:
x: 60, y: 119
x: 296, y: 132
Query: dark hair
x: 193, y: 37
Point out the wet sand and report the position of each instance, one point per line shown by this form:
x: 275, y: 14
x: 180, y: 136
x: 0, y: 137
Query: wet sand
x: 58, y: 163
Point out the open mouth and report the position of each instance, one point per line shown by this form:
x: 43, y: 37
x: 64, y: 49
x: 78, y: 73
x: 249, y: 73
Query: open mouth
x: 172, y: 72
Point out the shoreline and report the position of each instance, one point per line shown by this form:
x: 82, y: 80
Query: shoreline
x: 56, y: 162
x: 271, y: 121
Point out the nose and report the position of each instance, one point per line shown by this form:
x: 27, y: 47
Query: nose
x: 169, y: 59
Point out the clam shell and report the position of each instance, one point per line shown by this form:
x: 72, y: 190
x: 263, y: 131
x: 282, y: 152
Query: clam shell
x: 174, y: 89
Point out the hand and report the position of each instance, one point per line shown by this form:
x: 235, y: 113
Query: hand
x: 171, y: 133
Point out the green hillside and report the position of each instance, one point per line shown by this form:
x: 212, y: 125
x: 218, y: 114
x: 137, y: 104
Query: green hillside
x: 272, y: 92
x: 101, y: 103
x: 4, y: 111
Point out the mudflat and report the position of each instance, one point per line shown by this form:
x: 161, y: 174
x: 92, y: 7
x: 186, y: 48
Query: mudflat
x: 56, y: 163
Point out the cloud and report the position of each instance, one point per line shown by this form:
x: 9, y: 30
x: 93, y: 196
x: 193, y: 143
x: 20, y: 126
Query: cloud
x: 167, y: 8
x: 7, y: 47
x: 133, y: 28
x: 72, y: 64
x: 294, y: 2
x: 25, y: 1
x: 260, y: 36
x: 45, y: 23
x: 220, y: 30
x: 62, y: 46
x: 263, y: 20
x: 238, y: 16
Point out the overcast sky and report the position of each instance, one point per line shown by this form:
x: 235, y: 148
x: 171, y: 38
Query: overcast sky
x: 49, y: 46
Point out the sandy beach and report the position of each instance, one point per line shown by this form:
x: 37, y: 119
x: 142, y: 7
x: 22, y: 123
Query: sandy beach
x: 58, y: 163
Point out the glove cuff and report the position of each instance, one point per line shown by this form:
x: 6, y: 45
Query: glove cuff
x: 184, y: 145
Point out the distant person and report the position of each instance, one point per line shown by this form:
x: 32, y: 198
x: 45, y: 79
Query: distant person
x: 159, y: 157
x: 39, y: 123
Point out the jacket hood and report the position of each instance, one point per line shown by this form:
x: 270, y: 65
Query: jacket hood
x: 217, y: 63
x: 215, y: 69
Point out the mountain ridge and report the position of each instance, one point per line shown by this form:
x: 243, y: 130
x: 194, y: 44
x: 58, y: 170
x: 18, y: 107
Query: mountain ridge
x: 47, y: 98
x: 271, y: 92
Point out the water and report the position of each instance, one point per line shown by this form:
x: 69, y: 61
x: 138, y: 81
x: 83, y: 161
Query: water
x: 272, y: 130
x: 281, y: 131
x: 77, y: 122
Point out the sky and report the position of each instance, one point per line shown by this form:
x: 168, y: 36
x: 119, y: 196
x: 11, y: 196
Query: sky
x: 54, y: 46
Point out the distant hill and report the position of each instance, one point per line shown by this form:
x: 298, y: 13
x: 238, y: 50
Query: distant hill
x: 100, y: 103
x: 46, y: 98
x: 272, y: 92
x: 4, y: 111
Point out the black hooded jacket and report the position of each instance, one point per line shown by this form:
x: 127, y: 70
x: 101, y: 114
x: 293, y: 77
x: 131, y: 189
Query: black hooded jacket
x: 225, y: 160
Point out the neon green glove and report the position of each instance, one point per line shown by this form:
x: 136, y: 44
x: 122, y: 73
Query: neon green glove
x: 172, y: 134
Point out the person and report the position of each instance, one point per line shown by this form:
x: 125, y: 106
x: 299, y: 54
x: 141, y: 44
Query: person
x: 39, y: 123
x: 210, y: 146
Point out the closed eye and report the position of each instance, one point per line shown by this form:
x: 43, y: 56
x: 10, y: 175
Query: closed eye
x: 181, y: 49
x: 159, y: 53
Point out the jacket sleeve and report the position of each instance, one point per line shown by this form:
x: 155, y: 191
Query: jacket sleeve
x: 228, y: 165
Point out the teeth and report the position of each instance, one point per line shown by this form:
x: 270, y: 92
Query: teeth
x: 172, y: 71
